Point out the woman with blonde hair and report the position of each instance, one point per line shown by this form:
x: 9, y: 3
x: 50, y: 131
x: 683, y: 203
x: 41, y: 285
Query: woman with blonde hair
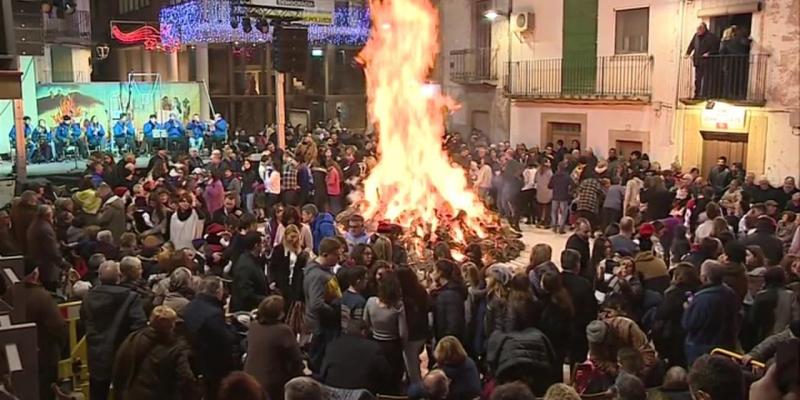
x: 540, y: 264
x: 285, y: 269
x: 465, y: 382
x: 382, y: 248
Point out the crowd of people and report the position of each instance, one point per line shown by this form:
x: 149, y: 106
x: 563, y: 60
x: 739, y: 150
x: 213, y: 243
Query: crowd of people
x: 250, y: 276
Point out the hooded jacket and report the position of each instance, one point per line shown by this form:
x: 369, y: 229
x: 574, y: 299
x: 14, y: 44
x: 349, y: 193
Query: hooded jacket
x: 514, y: 354
x: 110, y: 313
x: 653, y: 270
x: 112, y: 216
x: 323, y: 226
x: 152, y: 366
x: 449, y: 312
x: 320, y: 287
x: 87, y: 201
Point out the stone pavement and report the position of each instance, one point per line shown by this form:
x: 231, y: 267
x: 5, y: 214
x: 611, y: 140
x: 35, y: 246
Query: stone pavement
x: 531, y: 236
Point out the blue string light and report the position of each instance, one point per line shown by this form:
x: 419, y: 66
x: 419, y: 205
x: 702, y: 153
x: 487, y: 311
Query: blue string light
x: 208, y: 21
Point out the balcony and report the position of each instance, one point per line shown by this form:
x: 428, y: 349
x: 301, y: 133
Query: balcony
x: 738, y: 79
x: 610, y: 78
x: 75, y: 28
x: 473, y: 66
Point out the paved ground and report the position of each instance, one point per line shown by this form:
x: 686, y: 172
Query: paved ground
x: 531, y: 236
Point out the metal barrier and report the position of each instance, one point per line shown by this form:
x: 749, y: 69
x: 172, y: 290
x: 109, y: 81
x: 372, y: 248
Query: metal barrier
x: 473, y: 65
x: 74, y: 369
x: 735, y: 77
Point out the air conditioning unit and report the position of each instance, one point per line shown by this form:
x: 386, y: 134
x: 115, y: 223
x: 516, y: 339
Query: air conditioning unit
x: 522, y: 22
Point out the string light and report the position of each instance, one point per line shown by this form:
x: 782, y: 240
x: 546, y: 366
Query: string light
x: 208, y: 21
x: 147, y: 35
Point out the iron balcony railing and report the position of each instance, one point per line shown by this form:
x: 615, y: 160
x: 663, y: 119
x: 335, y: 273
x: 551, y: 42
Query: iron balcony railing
x: 473, y: 65
x: 627, y: 77
x: 740, y: 78
x: 73, y: 28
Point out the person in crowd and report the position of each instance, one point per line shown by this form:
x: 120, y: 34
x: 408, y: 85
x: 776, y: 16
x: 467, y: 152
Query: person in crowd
x: 765, y: 238
x: 112, y: 214
x: 622, y: 242
x: 774, y: 307
x: 579, y: 241
x: 712, y: 316
x: 285, y: 268
x: 185, y: 225
x: 110, y: 313
x: 461, y: 372
x: 561, y: 184
x: 497, y: 278
x: 43, y: 248
x: 527, y: 194
x: 273, y: 354
x: 51, y: 329
x: 386, y: 319
x: 449, y: 295
x: 607, y: 336
x: 219, y: 132
x: 152, y: 363
x: 23, y: 211
x: 240, y: 385
x: 356, y: 233
x: 674, y: 387
x: 558, y: 314
x: 249, y: 282
x: 582, y: 296
x: 589, y: 197
x: 212, y: 341
x: 716, y: 378
x: 322, y: 296
x: 652, y: 269
x: 612, y: 204
x: 544, y: 195
x: 668, y: 333
x: 321, y: 223
x: 416, y: 303
x: 768, y: 348
x: 703, y: 45
x: 196, y: 130
x: 370, y: 370
x: 656, y: 199
x: 519, y: 391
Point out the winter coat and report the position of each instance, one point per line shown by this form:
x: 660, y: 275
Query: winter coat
x: 659, y: 203
x: 581, y: 245
x: 112, y: 216
x: 712, y: 319
x: 51, y: 329
x: 22, y: 215
x: 523, y: 355
x: 43, y: 249
x: 465, y: 380
x: 561, y: 184
x: 767, y: 349
x: 772, y: 311
x: 152, y: 366
x: 249, y: 283
x: 668, y: 333
x: 449, y: 318
x: 653, y: 271
x: 273, y: 356
x: 211, y: 340
x: 320, y: 288
x: 342, y: 370
x: 323, y: 226
x: 623, y: 332
x: 289, y: 283
x: 87, y: 201
x: 110, y: 313
x: 582, y: 295
x: 736, y: 279
x: 544, y: 194
x: 557, y: 325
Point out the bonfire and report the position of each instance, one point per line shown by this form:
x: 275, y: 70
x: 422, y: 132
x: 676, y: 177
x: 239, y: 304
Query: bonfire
x: 414, y: 185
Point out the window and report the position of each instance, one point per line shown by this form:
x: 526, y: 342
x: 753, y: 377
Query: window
x: 632, y: 31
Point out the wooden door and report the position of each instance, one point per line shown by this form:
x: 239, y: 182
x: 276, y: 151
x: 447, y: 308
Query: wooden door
x: 626, y: 147
x: 731, y: 146
x: 564, y: 131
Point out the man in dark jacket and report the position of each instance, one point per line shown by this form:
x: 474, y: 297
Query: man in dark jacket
x: 525, y: 356
x: 367, y: 371
x: 582, y: 295
x: 51, y: 329
x: 43, y: 248
x: 765, y: 237
x: 110, y: 313
x: 703, y: 45
x: 23, y: 211
x: 322, y: 297
x: 720, y: 177
x: 112, y: 215
x: 712, y: 317
x: 249, y: 281
x: 152, y: 363
x: 448, y: 302
x: 561, y: 184
x: 211, y: 340
x: 579, y: 241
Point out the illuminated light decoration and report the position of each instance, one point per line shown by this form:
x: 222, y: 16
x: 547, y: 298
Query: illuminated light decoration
x: 208, y: 21
x: 147, y: 35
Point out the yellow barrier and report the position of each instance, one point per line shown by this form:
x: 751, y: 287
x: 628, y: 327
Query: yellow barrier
x: 737, y: 356
x: 74, y: 368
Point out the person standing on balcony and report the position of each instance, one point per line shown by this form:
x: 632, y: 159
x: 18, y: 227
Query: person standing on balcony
x: 703, y: 45
x: 735, y: 48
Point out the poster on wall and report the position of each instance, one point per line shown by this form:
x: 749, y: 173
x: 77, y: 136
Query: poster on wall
x: 105, y: 101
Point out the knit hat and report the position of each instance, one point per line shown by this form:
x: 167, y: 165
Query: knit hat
x: 596, y: 331
x: 501, y: 273
x: 646, y: 230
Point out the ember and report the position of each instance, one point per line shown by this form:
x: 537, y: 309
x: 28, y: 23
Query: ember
x: 414, y: 184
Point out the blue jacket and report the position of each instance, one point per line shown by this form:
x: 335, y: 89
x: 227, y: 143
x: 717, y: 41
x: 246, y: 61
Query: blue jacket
x: 174, y: 129
x: 198, y: 128
x: 124, y: 129
x: 712, y: 318
x: 62, y: 132
x: 75, y: 131
x: 94, y: 133
x: 12, y: 134
x: 220, y: 128
x: 148, y: 128
x: 36, y: 136
x: 322, y: 227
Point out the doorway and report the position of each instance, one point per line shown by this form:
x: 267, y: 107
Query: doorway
x: 742, y: 21
x: 732, y: 146
x: 480, y: 121
x: 566, y: 131
x: 626, y: 147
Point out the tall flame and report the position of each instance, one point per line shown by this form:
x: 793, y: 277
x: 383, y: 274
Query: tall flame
x: 414, y: 183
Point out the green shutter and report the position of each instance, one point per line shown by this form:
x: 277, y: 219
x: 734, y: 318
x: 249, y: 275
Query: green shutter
x: 579, y: 50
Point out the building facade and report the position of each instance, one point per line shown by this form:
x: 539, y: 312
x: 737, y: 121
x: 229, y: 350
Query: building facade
x: 613, y: 74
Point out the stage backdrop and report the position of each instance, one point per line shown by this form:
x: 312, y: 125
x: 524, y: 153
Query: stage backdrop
x: 106, y: 100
